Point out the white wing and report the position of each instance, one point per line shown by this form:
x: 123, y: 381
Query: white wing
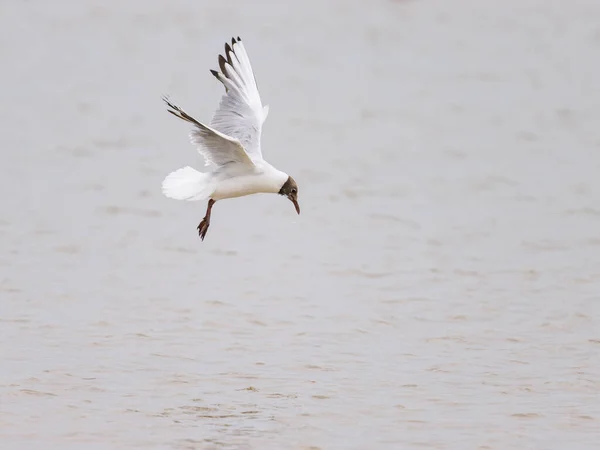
x: 216, y: 147
x: 241, y: 113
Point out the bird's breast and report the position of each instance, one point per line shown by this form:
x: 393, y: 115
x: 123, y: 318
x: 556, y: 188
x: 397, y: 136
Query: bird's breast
x: 240, y: 186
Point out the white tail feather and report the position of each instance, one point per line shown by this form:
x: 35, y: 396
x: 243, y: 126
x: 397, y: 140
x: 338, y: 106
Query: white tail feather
x: 187, y: 184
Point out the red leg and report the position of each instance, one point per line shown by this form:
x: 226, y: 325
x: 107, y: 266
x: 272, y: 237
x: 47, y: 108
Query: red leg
x: 203, y: 227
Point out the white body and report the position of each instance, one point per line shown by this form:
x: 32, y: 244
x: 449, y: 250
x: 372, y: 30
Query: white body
x: 265, y: 179
x: 231, y: 145
x: 191, y: 185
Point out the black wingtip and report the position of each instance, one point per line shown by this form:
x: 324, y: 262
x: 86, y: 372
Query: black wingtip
x: 222, y: 64
x: 228, y: 53
x: 175, y: 114
x: 167, y: 100
x: 239, y: 39
x: 216, y: 75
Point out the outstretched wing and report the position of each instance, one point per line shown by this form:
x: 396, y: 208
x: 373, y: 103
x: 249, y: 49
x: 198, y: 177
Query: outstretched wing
x: 241, y: 113
x: 216, y: 147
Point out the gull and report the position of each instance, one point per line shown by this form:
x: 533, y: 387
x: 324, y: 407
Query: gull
x: 230, y: 145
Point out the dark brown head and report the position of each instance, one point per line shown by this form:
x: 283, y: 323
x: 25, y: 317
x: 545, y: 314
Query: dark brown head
x: 290, y: 190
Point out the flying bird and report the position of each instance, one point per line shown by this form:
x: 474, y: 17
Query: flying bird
x: 230, y: 145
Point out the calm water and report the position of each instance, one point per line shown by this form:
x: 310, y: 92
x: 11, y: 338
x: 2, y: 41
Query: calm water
x: 440, y: 290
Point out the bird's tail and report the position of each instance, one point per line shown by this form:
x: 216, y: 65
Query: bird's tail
x: 188, y: 184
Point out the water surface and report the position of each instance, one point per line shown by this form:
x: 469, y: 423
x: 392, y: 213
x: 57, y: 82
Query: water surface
x: 440, y: 289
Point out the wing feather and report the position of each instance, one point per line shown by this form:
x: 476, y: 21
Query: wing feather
x: 241, y: 113
x: 216, y: 147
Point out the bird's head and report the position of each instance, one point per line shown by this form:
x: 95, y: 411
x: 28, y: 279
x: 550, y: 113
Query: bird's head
x: 290, y: 190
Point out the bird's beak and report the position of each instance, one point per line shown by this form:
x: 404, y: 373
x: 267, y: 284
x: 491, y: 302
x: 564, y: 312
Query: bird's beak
x: 296, y: 205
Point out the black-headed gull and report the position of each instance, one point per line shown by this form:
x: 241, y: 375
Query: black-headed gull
x: 231, y: 144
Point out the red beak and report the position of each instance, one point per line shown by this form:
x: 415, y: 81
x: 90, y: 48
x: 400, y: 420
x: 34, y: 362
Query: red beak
x: 295, y: 202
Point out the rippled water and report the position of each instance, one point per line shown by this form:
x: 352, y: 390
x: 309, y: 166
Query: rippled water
x: 441, y: 288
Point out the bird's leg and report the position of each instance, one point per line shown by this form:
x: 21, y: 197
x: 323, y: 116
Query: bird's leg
x: 203, y: 227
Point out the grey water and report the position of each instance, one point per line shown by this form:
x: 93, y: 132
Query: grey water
x: 440, y: 290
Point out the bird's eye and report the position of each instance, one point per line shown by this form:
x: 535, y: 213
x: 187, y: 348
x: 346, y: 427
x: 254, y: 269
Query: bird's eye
x: 294, y: 191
